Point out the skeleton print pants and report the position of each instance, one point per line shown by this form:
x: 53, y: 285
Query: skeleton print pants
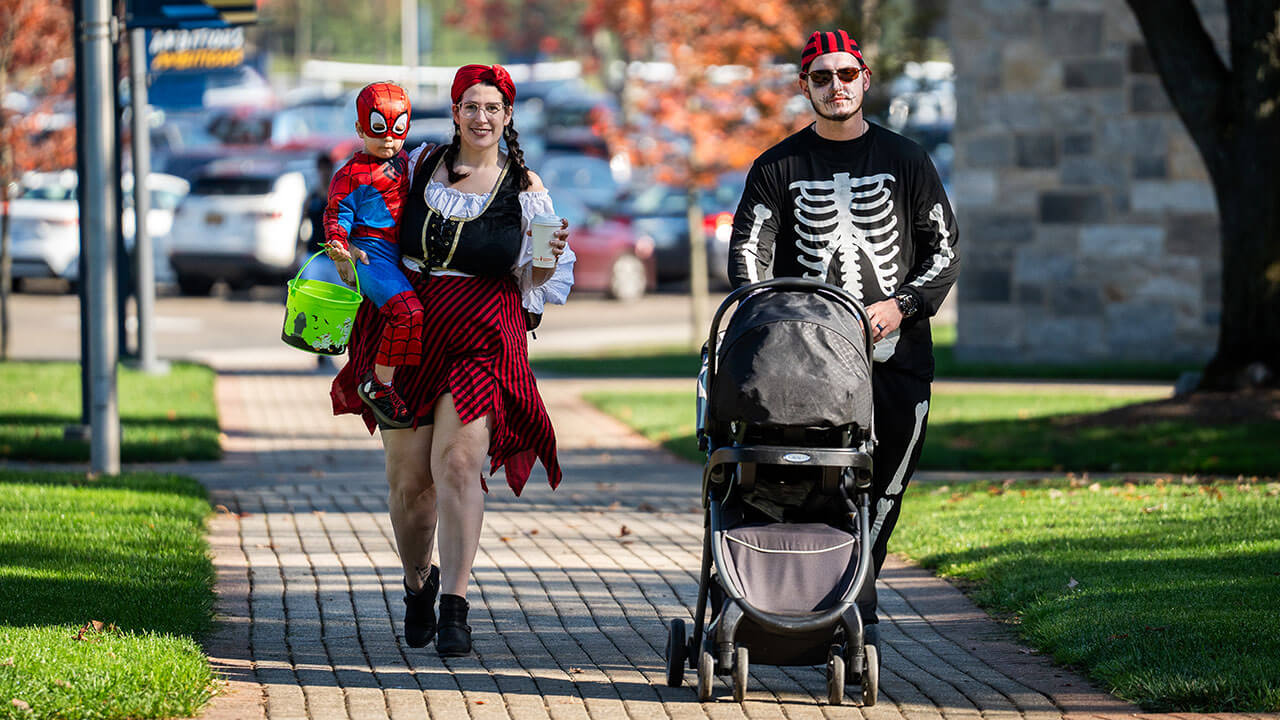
x: 901, y: 416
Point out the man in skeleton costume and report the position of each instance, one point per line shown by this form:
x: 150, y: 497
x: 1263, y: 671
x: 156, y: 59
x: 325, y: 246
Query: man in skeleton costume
x: 860, y: 207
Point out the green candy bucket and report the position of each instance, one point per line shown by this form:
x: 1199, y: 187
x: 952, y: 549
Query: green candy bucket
x: 318, y: 315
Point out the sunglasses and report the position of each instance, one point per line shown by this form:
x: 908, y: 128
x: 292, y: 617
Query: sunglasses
x: 819, y: 78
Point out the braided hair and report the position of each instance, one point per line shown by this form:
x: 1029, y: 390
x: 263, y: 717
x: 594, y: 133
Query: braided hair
x: 509, y: 135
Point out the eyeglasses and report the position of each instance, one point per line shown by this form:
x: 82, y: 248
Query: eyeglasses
x: 470, y: 109
x: 819, y: 78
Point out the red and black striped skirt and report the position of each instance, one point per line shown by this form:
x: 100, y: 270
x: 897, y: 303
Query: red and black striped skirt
x: 474, y: 348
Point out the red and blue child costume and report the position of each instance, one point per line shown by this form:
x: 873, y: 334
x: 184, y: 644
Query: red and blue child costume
x: 365, y: 197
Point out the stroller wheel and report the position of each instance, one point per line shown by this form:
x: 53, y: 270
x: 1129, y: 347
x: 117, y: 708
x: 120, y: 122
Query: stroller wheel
x: 706, y: 675
x: 871, y: 676
x: 835, y: 675
x: 740, y: 667
x: 676, y: 649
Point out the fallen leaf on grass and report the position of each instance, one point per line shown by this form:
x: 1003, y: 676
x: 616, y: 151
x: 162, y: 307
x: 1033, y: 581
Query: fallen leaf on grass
x: 61, y: 683
x: 21, y: 704
x: 1118, y: 636
x: 1095, y: 487
x: 8, y: 662
x: 1153, y: 508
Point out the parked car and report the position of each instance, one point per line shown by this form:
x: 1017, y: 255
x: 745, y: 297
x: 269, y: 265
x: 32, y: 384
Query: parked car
x: 610, y: 257
x: 590, y: 179
x: 45, y: 223
x: 660, y: 212
x: 243, y: 222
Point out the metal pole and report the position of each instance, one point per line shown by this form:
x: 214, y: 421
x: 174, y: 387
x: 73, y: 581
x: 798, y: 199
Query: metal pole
x: 124, y: 265
x: 409, y: 44
x: 80, y: 431
x: 100, y: 218
x: 143, y: 256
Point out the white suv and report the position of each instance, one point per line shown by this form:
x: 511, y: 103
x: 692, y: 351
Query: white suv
x: 242, y: 222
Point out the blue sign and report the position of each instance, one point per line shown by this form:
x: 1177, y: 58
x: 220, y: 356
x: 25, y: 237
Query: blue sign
x: 189, y: 14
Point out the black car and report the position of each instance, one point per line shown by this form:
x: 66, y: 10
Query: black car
x: 660, y: 212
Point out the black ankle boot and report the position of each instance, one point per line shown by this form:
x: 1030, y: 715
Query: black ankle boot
x: 455, y: 634
x: 420, y: 611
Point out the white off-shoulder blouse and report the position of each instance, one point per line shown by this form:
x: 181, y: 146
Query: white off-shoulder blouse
x: 455, y: 203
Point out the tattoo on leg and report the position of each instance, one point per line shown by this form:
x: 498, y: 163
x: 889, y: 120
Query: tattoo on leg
x: 423, y: 573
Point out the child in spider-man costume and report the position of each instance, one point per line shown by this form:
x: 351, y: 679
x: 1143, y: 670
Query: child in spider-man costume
x: 360, y: 222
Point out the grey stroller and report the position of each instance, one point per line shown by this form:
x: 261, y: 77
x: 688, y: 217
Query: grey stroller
x: 785, y: 416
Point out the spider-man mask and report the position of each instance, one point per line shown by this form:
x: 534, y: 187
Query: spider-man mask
x: 382, y: 109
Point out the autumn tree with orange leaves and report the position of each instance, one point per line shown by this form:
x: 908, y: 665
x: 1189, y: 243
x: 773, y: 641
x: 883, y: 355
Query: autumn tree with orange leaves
x: 721, y: 103
x: 724, y: 100
x: 34, y: 35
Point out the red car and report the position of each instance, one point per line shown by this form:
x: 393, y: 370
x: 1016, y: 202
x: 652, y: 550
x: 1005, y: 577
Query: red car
x: 610, y: 257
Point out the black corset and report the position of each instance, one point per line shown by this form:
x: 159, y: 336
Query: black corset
x: 488, y: 244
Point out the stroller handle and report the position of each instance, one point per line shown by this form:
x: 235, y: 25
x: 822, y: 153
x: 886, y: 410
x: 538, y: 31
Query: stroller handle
x: 838, y: 294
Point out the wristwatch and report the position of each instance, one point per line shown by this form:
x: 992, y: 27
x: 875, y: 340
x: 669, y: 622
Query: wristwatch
x: 907, y: 303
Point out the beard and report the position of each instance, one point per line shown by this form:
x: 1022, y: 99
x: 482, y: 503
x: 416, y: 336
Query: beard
x: 834, y: 116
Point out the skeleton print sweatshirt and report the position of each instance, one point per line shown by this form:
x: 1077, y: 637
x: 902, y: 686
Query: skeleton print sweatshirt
x: 868, y: 215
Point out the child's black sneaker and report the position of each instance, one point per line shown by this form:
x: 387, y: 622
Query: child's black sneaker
x: 384, y: 402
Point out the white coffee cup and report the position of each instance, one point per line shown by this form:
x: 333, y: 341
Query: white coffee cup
x: 544, y: 228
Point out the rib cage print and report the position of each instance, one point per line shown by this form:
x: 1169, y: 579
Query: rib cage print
x: 845, y: 217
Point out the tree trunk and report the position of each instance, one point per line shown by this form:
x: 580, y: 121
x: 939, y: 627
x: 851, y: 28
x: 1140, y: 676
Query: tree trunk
x: 6, y: 243
x: 698, y: 291
x: 1233, y: 114
x: 1249, y: 331
x: 6, y: 270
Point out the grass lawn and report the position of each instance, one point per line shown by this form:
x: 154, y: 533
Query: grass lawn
x: 108, y: 587
x: 1165, y: 593
x: 680, y: 361
x: 163, y: 418
x: 1005, y: 431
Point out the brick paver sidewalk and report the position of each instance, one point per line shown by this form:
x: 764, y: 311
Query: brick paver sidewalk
x: 572, y: 590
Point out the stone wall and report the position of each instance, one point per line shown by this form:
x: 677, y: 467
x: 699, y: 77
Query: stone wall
x: 1088, y: 226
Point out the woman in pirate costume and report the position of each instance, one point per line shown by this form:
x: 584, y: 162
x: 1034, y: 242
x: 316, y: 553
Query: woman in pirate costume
x: 464, y: 236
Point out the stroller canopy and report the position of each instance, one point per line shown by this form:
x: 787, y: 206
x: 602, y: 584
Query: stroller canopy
x: 792, y: 359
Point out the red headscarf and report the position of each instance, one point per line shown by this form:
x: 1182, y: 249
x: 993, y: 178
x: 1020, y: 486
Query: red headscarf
x: 469, y: 75
x: 821, y: 43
